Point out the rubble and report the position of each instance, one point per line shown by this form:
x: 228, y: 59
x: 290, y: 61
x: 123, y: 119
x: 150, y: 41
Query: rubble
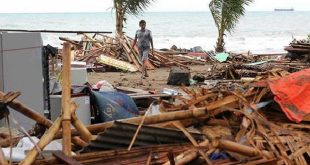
x: 236, y: 113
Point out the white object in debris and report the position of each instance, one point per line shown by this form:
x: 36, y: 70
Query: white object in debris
x: 104, y: 85
x: 154, y: 110
x: 169, y: 91
x: 19, y: 152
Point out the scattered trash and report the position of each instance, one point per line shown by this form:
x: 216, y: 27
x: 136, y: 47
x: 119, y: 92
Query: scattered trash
x: 221, y: 57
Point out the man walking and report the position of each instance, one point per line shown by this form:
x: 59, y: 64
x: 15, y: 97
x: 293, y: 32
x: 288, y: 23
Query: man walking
x: 144, y: 38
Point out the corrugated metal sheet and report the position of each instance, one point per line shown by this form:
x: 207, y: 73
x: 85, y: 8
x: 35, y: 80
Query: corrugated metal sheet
x: 121, y: 134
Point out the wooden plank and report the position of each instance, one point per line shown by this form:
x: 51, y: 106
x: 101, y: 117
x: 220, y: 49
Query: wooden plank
x: 61, y: 156
x: 54, y: 31
x: 131, y: 90
x: 117, y: 63
x: 131, y: 55
x: 133, y: 50
x: 171, y: 60
x: 149, y: 96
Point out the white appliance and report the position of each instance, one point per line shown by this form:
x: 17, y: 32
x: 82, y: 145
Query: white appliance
x: 82, y: 112
x: 21, y: 69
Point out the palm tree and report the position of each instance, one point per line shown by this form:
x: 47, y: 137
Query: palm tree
x: 226, y: 14
x: 128, y: 7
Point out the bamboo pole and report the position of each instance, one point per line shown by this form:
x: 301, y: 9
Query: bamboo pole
x: 188, y: 155
x: 53, y: 31
x: 76, y: 122
x: 93, y: 40
x: 32, y: 114
x: 3, y: 161
x: 66, y: 99
x: 154, y: 119
x: 45, y: 140
x: 242, y: 149
x: 138, y: 129
x: 79, y: 142
x: 180, y: 126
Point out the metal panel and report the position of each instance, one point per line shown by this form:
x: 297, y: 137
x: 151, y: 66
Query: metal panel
x: 22, y: 71
x: 121, y: 134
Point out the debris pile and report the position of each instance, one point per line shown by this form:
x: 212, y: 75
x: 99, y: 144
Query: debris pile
x: 102, y: 50
x: 299, y: 49
x: 243, y: 110
x: 235, y: 126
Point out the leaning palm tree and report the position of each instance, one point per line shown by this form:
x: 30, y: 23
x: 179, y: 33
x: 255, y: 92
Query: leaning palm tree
x: 226, y: 14
x: 123, y: 8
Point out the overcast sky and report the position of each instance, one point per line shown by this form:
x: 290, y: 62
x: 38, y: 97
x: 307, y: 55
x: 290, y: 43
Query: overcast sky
x: 25, y: 6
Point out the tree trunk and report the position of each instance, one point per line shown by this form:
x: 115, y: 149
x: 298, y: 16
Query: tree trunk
x: 220, y: 43
x: 220, y: 40
x: 119, y: 19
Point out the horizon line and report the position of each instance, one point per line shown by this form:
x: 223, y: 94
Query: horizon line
x: 72, y: 12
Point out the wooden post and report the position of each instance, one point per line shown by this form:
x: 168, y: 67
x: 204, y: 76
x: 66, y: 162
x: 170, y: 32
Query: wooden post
x: 32, y: 114
x: 45, y: 139
x: 66, y: 99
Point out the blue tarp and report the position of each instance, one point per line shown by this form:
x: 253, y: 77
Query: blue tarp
x: 114, y: 106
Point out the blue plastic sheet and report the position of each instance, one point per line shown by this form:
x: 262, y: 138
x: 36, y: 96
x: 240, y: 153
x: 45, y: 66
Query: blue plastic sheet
x: 114, y: 106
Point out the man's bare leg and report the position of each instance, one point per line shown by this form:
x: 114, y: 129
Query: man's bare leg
x: 145, y: 70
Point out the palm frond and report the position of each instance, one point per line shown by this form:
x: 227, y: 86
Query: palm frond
x: 226, y: 13
x: 133, y: 7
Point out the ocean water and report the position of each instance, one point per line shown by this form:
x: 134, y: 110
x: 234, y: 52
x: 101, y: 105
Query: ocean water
x: 259, y: 32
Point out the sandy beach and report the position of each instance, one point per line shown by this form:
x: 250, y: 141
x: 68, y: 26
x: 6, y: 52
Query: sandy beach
x: 156, y: 81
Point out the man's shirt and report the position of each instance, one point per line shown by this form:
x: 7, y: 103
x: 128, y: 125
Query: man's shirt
x: 144, y: 37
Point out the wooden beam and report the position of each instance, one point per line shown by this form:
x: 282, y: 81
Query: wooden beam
x: 154, y: 119
x: 66, y: 99
x: 54, y: 31
x: 30, y: 113
x: 45, y: 140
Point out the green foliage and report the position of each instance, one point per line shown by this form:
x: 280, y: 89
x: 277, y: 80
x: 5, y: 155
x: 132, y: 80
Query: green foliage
x: 308, y: 37
x: 123, y: 8
x: 226, y: 13
x: 132, y: 7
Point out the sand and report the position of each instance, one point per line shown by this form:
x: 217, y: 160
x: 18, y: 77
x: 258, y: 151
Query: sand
x: 156, y: 81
